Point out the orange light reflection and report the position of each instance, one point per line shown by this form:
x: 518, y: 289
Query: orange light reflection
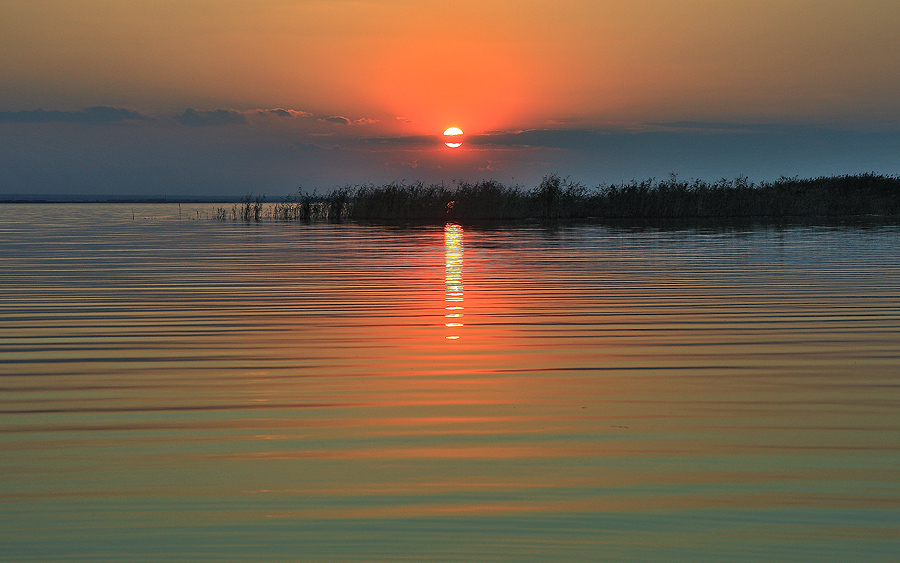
x: 453, y: 283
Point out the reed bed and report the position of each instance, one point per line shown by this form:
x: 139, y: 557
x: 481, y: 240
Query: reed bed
x: 559, y: 199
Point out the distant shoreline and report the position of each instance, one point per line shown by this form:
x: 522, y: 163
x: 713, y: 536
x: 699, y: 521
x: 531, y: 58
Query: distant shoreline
x: 61, y: 198
x: 555, y: 199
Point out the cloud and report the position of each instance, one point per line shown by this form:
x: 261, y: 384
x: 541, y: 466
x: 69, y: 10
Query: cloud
x: 194, y: 118
x: 404, y: 120
x: 280, y: 112
x: 543, y: 138
x: 106, y: 114
x: 728, y: 127
x: 336, y: 119
x: 341, y: 120
x: 305, y: 147
x: 97, y: 115
x: 668, y: 137
x: 407, y: 141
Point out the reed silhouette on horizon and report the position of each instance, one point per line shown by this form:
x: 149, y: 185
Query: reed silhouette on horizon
x: 560, y: 199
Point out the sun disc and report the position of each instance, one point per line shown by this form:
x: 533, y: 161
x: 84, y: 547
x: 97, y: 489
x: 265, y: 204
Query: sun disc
x: 451, y: 136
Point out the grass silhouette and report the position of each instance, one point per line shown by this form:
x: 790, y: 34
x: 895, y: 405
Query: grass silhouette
x: 559, y: 199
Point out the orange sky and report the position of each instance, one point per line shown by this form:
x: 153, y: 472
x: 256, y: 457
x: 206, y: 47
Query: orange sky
x: 486, y: 65
x: 396, y: 68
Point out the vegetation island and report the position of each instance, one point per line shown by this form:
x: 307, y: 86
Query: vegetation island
x: 559, y: 199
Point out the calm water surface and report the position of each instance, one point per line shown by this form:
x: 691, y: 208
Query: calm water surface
x: 174, y: 388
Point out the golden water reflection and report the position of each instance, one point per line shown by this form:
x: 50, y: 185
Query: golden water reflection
x: 453, y: 282
x: 172, y: 387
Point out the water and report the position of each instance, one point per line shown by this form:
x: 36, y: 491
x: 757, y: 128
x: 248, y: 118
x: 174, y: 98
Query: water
x: 174, y: 388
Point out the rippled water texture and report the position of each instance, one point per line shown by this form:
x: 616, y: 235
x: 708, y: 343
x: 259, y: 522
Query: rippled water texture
x: 176, y: 388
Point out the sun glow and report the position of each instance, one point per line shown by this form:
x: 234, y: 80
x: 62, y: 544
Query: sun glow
x: 453, y: 136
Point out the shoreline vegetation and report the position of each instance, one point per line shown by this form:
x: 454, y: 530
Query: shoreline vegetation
x: 558, y: 199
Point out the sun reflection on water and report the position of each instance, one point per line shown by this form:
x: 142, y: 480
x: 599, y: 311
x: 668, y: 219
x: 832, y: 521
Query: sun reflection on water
x: 453, y: 263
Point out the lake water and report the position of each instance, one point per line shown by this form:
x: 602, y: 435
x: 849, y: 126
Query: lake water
x: 176, y: 388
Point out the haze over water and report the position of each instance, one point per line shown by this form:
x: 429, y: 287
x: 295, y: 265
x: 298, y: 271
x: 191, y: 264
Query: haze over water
x: 196, y: 390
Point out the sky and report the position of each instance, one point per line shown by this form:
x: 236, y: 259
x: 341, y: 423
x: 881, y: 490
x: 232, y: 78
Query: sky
x: 205, y: 98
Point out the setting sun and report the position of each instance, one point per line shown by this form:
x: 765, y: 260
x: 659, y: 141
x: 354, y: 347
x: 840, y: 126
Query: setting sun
x: 453, y: 136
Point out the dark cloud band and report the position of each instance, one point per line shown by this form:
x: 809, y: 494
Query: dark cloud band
x: 95, y: 115
x: 194, y: 118
x: 336, y: 119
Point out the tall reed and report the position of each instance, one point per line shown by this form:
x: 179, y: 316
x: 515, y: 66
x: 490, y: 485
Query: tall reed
x: 560, y: 199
